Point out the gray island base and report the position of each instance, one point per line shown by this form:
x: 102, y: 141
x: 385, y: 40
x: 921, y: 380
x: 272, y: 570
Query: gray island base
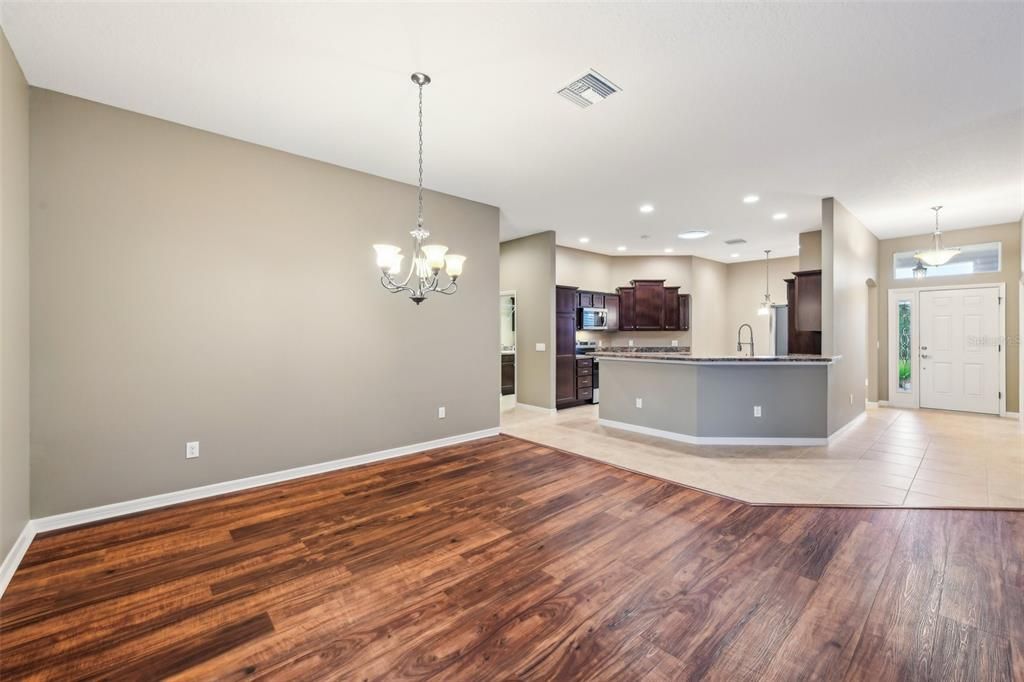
x: 717, y: 400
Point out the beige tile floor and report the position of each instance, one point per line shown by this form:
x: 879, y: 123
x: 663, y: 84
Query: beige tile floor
x: 892, y: 457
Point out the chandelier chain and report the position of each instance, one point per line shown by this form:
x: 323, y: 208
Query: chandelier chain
x: 419, y: 194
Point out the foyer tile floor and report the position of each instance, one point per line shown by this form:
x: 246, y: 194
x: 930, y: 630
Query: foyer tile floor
x: 891, y: 457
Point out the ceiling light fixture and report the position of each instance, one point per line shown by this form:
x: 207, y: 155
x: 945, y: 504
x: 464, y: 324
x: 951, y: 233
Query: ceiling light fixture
x: 734, y: 255
x: 766, y: 304
x: 584, y: 240
x: 751, y: 199
x: 694, y: 234
x: 669, y: 250
x: 936, y: 255
x: 620, y: 248
x: 779, y: 216
x: 647, y: 208
x: 920, y: 271
x: 427, y: 259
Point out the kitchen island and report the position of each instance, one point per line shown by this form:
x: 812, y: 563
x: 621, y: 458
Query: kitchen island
x: 759, y: 400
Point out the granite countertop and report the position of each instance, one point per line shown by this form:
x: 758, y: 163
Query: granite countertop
x: 661, y: 355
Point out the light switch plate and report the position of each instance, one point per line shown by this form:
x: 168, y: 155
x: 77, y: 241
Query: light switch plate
x: 675, y: 344
x: 631, y: 343
x: 757, y: 410
x: 192, y: 450
x: 541, y: 347
x: 639, y: 403
x: 441, y: 412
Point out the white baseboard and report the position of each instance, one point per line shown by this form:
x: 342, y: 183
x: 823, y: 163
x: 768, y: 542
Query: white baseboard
x: 1011, y: 415
x: 871, y: 403
x: 709, y: 440
x: 883, y: 403
x: 535, y: 408
x: 109, y: 511
x: 847, y: 426
x: 17, y: 553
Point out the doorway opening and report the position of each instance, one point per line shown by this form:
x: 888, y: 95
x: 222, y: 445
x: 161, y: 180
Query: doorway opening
x: 507, y: 321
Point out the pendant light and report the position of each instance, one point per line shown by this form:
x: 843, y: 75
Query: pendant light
x: 919, y: 270
x: 936, y: 255
x: 766, y: 304
x: 427, y: 259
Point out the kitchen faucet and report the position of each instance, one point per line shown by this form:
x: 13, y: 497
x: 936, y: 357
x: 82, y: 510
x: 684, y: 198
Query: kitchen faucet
x: 740, y: 344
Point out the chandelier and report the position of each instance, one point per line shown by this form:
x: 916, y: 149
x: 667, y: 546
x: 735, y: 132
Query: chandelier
x: 766, y: 304
x: 424, y: 275
x: 936, y: 255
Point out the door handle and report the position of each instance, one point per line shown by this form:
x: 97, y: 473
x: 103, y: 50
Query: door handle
x: 923, y: 356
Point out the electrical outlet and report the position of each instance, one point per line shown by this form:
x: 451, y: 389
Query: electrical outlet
x: 639, y: 403
x: 192, y: 450
x: 757, y: 410
x: 541, y: 347
x: 440, y: 412
x: 631, y: 343
x: 675, y: 343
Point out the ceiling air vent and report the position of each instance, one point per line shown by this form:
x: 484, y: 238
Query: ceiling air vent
x: 734, y: 242
x: 589, y: 89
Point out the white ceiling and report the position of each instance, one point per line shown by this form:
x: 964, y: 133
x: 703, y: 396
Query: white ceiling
x: 891, y: 108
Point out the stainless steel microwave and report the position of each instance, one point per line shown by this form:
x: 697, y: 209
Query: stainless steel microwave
x: 595, y: 319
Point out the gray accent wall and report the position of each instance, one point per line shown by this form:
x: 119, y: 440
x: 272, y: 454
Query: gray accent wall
x: 188, y: 286
x: 14, y: 299
x: 528, y: 268
x: 717, y: 401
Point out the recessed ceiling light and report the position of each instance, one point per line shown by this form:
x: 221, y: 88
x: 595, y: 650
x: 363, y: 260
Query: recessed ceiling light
x: 620, y: 248
x: 751, y: 199
x: 584, y: 240
x: 669, y: 250
x: 694, y: 234
x: 779, y: 216
x: 734, y: 255
x: 647, y: 208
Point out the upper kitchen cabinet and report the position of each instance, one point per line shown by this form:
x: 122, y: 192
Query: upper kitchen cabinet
x: 650, y: 304
x: 627, y: 308
x: 672, y: 308
x: 565, y: 299
x: 611, y: 304
x: 807, y: 300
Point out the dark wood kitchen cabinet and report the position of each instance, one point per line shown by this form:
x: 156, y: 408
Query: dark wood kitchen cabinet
x: 508, y: 373
x: 611, y: 303
x: 627, y: 308
x: 650, y: 304
x: 566, y: 300
x: 684, y: 312
x: 801, y: 342
x: 807, y: 296
x: 671, y: 308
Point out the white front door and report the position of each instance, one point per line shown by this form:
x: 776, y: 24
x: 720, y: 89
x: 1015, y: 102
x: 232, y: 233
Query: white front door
x: 959, y: 349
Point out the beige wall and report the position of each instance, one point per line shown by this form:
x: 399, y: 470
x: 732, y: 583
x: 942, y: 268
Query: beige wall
x: 14, y: 299
x: 745, y: 293
x: 583, y: 269
x: 708, y: 320
x: 528, y: 268
x: 810, y: 250
x: 849, y: 260
x: 187, y: 286
x: 1009, y: 235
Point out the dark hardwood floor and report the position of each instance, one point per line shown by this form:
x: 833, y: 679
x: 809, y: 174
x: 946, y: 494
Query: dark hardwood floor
x: 503, y: 559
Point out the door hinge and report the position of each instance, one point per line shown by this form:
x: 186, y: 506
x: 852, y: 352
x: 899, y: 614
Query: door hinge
x: 1000, y: 395
x: 1000, y: 348
x: 1000, y: 300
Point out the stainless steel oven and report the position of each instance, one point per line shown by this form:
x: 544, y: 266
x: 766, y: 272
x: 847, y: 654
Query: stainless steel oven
x: 593, y: 319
